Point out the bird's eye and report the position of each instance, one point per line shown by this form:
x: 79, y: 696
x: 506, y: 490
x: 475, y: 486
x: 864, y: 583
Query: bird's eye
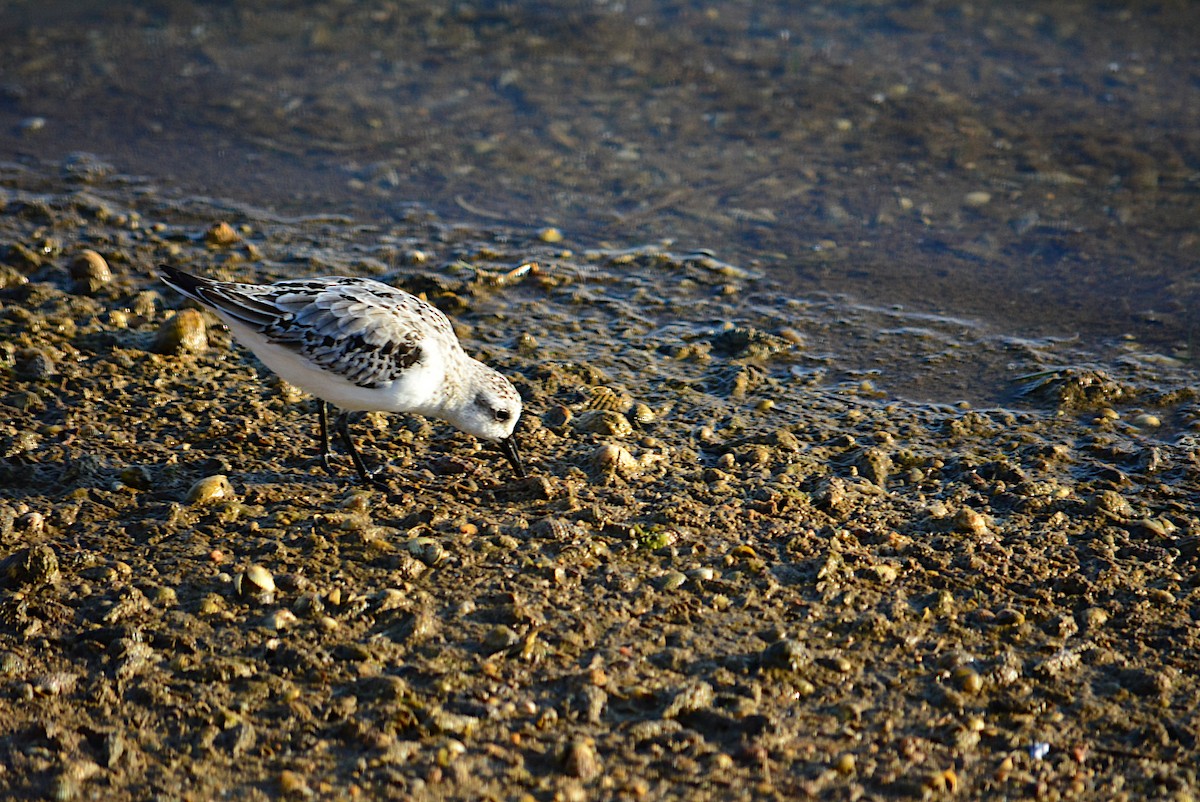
x: 503, y: 415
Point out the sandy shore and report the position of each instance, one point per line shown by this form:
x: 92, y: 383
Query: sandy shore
x: 741, y: 569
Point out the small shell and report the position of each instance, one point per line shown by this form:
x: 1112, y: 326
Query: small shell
x: 607, y: 398
x: 673, y: 580
x: 554, y: 528
x: 210, y: 489
x: 642, y: 414
x: 407, y: 566
x: 255, y: 583
x: 280, y: 620
x: 427, y: 550
x: 613, y: 459
x: 32, y: 523
x: 260, y: 578
x: 605, y: 422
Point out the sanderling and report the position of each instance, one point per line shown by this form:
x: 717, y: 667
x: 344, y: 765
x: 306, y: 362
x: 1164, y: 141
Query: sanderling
x: 361, y: 345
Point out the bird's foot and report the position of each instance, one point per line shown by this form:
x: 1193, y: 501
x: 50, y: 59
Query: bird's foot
x: 375, y: 479
x: 379, y: 484
x: 325, y: 463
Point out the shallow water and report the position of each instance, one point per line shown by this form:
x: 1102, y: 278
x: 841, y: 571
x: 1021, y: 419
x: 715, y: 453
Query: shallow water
x: 1001, y: 173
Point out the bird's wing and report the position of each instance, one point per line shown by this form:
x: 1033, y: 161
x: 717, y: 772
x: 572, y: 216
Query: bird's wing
x: 363, y: 330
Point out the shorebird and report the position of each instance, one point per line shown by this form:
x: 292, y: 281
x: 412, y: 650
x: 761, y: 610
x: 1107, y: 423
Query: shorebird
x: 362, y: 345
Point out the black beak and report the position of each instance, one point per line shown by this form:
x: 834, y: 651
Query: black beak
x: 508, y: 447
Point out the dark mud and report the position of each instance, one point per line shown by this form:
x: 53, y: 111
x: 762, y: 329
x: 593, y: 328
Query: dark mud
x: 739, y: 570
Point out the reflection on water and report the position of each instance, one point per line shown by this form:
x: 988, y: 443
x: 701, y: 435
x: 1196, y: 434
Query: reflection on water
x: 1034, y: 167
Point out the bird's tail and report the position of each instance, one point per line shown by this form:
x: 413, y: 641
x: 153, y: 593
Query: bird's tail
x: 239, y: 302
x: 185, y: 283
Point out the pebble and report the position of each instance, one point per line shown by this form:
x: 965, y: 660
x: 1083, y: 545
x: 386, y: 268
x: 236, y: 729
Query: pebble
x: 293, y: 784
x: 971, y: 522
x: 1008, y: 617
x: 875, y: 465
x: 581, y: 760
x: 448, y: 723
x: 35, y: 364
x: 1161, y: 596
x: 786, y: 653
x: 500, y: 637
x: 36, y: 565
x: 220, y: 235
x: 1094, y: 618
x: 968, y: 680
x: 837, y: 663
x: 551, y: 235
x: 89, y: 271
x: 31, y: 125
x: 183, y: 332
x: 977, y: 199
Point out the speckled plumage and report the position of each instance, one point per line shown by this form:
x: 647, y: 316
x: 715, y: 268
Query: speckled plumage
x: 363, y: 345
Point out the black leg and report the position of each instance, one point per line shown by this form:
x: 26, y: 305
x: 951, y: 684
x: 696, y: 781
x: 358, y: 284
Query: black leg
x: 323, y: 417
x: 343, y: 426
